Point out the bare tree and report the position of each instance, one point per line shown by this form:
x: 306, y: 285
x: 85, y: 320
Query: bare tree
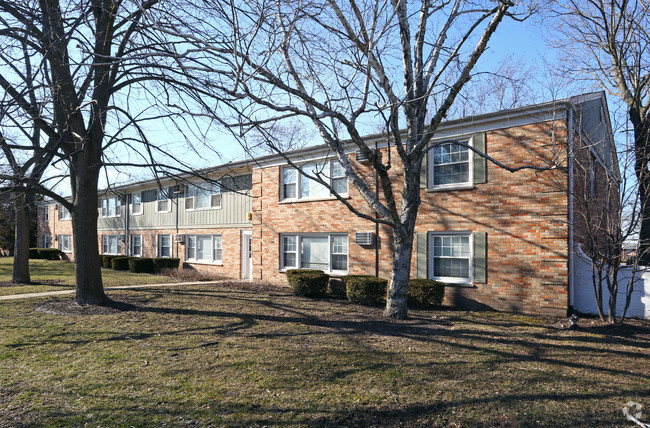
x: 86, y: 76
x: 608, y: 42
x: 347, y: 68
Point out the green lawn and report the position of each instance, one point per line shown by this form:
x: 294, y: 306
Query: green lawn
x: 52, y: 275
x: 216, y: 356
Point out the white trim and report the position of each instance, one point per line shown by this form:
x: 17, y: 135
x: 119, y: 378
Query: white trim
x: 133, y: 236
x: 300, y: 177
x: 246, y: 255
x: 118, y: 244
x: 60, y: 245
x: 451, y: 186
x: 216, y: 190
x: 158, y: 252
x: 196, y: 260
x: 448, y: 279
x: 118, y: 207
x: 156, y: 202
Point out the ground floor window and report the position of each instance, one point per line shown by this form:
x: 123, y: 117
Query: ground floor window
x: 111, y: 244
x: 204, y: 248
x: 65, y: 243
x: 451, y: 257
x: 136, y: 245
x: 164, y: 246
x: 46, y: 241
x: 328, y: 253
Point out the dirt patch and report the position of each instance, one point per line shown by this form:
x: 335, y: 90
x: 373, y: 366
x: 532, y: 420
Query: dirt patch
x: 71, y: 308
x: 261, y: 287
x: 44, y: 282
x: 630, y: 328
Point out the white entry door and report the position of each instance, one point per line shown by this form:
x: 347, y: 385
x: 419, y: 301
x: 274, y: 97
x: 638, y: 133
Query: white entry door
x: 247, y: 254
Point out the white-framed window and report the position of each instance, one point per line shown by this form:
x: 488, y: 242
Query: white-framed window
x: 451, y: 257
x: 297, y: 186
x: 46, y: 214
x: 111, y: 244
x: 451, y: 166
x: 163, y: 204
x: 65, y: 243
x: 204, y: 248
x: 202, y: 197
x: 111, y: 207
x: 136, y: 203
x: 64, y: 213
x: 136, y: 245
x: 164, y: 245
x: 326, y: 252
x: 46, y: 241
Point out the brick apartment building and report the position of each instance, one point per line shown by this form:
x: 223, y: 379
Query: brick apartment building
x: 499, y: 239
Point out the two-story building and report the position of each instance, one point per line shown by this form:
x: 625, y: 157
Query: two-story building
x: 499, y: 238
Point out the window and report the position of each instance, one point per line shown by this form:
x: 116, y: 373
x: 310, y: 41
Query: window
x: 46, y: 241
x: 46, y: 214
x: 592, y: 177
x: 164, y: 246
x: 136, y: 245
x: 64, y: 213
x: 451, y: 166
x: 163, y: 204
x: 324, y: 252
x: 451, y: 257
x: 65, y: 243
x: 204, y: 197
x: 136, y: 203
x: 204, y: 248
x: 111, y: 207
x: 297, y: 186
x: 111, y: 244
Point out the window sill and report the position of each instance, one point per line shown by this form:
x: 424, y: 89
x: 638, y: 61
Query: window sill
x: 199, y: 262
x: 202, y: 209
x: 336, y: 273
x: 458, y: 284
x: 328, y: 198
x: 450, y: 188
x: 136, y: 214
x: 163, y: 212
x: 111, y: 216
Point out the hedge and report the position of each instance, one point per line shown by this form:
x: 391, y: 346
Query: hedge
x: 45, y: 253
x: 106, y: 260
x: 425, y: 293
x: 120, y: 263
x: 165, y: 263
x: 140, y: 265
x: 365, y: 289
x: 307, y: 282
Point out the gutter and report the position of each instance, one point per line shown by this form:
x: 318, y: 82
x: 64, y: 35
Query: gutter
x: 571, y: 213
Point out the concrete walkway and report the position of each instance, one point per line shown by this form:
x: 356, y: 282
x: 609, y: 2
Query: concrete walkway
x: 121, y: 287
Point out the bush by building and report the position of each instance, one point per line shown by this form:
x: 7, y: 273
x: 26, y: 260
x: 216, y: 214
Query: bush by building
x: 307, y: 282
x: 140, y: 265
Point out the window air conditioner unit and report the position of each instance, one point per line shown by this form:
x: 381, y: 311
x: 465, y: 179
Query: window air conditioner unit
x: 178, y: 188
x: 360, y: 157
x: 180, y: 238
x: 364, y: 238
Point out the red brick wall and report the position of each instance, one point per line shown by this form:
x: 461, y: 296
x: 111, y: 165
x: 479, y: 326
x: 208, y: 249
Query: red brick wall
x: 523, y: 213
x: 53, y: 227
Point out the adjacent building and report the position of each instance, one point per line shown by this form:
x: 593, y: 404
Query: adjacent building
x: 499, y: 238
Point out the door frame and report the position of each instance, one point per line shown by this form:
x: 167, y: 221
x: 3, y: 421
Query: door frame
x: 246, y: 254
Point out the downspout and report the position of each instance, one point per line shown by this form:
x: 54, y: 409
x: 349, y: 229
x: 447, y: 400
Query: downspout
x: 176, y: 197
x: 376, y: 217
x: 570, y: 190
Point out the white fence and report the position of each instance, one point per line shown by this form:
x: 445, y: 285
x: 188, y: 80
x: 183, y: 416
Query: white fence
x: 584, y: 298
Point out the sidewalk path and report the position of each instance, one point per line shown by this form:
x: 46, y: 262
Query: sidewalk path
x: 121, y: 287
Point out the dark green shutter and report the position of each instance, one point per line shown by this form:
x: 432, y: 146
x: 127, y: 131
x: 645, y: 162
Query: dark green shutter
x: 480, y: 163
x: 480, y: 257
x: 424, y: 172
x: 421, y: 258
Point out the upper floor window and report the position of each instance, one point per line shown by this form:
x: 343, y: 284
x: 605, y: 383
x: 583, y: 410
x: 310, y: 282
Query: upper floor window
x: 297, y: 186
x: 46, y: 214
x: 451, y: 166
x: 163, y: 204
x: 136, y: 203
x: 111, y: 207
x: 64, y: 213
x: 202, y: 197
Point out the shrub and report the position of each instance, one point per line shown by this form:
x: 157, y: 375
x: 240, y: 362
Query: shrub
x: 165, y: 263
x: 630, y: 260
x: 365, y: 289
x: 140, y: 265
x: 106, y: 260
x: 307, y: 282
x: 33, y: 253
x: 49, y: 253
x: 120, y: 263
x: 425, y: 293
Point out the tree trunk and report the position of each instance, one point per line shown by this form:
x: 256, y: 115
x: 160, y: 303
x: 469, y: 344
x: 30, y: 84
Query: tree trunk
x: 642, y: 151
x: 396, y: 302
x: 21, y: 245
x: 90, y: 290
